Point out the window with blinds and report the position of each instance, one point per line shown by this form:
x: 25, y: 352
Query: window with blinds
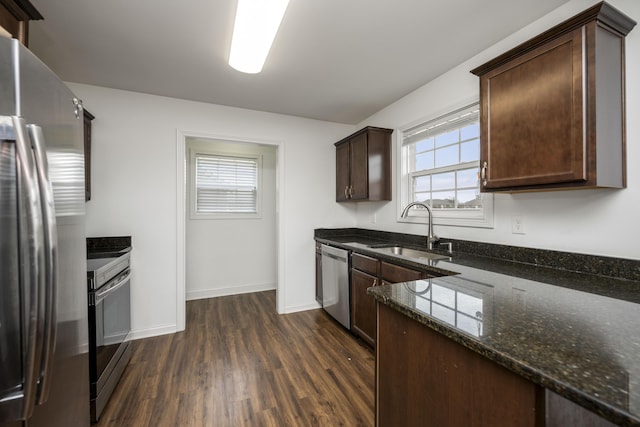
x: 441, y: 166
x: 226, y: 184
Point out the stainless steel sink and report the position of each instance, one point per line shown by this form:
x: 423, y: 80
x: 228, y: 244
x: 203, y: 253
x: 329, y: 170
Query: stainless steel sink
x: 409, y: 253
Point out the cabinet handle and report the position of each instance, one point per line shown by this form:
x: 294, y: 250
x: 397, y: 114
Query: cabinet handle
x: 375, y: 282
x: 346, y: 194
x: 351, y: 191
x: 483, y: 173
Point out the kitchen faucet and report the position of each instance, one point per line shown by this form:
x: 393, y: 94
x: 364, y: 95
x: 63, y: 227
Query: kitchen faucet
x: 431, y: 238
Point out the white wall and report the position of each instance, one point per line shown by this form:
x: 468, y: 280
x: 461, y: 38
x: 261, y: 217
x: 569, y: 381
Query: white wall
x: 587, y: 221
x: 134, y: 189
x: 238, y: 255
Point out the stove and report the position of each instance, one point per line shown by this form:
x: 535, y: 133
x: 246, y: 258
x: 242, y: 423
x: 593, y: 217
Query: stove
x: 109, y: 287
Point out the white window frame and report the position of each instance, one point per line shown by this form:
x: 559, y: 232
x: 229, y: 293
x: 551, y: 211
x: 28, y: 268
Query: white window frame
x: 483, y: 218
x: 194, y: 214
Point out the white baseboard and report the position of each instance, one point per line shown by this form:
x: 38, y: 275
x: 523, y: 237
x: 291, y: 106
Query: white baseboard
x: 304, y: 307
x: 152, y: 332
x: 231, y: 290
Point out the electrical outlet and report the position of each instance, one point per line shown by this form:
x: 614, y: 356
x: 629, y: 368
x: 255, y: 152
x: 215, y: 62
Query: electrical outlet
x: 517, y: 224
x: 373, y: 218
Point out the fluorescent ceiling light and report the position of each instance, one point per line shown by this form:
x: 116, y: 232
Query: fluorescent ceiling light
x: 257, y: 22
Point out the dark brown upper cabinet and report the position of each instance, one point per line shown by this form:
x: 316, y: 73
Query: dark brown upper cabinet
x: 552, y: 110
x: 15, y: 16
x: 363, y: 165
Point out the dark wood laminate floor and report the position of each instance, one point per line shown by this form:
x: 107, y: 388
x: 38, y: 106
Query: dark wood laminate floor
x: 239, y: 363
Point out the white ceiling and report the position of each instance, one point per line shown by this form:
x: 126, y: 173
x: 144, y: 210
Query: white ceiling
x: 334, y: 60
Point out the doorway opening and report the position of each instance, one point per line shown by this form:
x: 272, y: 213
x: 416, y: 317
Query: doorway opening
x: 228, y: 255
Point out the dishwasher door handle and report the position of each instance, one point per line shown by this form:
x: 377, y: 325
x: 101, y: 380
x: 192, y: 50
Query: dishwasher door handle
x: 338, y: 258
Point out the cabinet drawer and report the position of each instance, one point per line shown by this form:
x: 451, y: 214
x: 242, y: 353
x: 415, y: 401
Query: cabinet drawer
x: 394, y: 273
x: 365, y: 263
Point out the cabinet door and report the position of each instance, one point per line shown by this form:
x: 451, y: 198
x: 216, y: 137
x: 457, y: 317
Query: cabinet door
x: 343, y: 178
x: 532, y: 120
x: 363, y: 306
x: 425, y: 378
x: 359, y: 189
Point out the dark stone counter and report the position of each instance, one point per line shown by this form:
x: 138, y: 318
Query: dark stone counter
x: 107, y: 247
x: 566, y: 329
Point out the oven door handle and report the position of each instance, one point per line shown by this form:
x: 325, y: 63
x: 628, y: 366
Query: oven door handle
x: 112, y: 288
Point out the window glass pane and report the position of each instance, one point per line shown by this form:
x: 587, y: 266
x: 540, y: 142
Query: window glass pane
x: 424, y: 161
x: 469, y: 199
x: 471, y: 131
x: 468, y: 178
x: 422, y: 184
x: 447, y: 138
x: 444, y: 181
x: 470, y: 151
x: 424, y: 145
x: 443, y: 199
x: 422, y: 197
x: 447, y: 156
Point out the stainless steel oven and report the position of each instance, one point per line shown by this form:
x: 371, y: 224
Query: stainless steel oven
x: 109, y: 281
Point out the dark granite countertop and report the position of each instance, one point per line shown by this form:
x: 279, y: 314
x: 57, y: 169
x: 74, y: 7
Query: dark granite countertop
x: 575, y: 333
x: 107, y: 247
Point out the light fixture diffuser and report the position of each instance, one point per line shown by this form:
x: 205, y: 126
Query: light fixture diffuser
x: 257, y: 22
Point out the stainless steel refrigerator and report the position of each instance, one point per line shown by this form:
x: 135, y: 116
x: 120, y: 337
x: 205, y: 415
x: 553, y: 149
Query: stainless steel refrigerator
x: 43, y: 286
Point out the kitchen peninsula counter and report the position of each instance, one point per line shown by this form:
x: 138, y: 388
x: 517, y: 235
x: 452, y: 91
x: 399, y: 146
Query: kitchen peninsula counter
x: 574, y: 333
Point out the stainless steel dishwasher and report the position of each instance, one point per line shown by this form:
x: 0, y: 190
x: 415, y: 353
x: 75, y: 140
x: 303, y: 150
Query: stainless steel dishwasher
x: 335, y: 284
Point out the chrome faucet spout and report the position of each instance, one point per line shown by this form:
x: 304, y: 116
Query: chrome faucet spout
x: 431, y: 238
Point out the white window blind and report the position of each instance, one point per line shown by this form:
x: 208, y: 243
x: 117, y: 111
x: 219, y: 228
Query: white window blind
x: 226, y: 184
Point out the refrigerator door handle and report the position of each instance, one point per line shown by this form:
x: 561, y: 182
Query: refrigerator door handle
x: 32, y: 271
x: 51, y: 260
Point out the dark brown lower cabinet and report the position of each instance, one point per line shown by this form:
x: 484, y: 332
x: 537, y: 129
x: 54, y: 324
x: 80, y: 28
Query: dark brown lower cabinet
x: 366, y: 272
x: 424, y: 379
x: 363, y: 306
